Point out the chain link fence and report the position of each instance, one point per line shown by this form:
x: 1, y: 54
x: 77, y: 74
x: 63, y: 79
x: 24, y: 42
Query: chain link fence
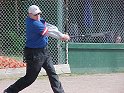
x: 85, y: 17
x: 97, y: 16
x: 13, y: 14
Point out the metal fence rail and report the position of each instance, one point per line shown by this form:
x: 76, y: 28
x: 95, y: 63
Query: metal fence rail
x: 85, y: 17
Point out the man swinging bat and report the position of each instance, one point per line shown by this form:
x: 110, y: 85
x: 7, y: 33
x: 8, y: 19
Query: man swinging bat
x: 36, y: 53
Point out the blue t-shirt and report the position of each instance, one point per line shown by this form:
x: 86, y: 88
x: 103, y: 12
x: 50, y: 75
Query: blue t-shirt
x: 35, y: 33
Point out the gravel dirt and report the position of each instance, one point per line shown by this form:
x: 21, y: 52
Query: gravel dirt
x: 95, y: 83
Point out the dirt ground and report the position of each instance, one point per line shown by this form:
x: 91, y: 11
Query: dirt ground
x: 98, y: 83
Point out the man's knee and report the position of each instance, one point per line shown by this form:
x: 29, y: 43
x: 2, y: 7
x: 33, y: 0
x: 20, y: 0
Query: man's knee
x: 29, y: 79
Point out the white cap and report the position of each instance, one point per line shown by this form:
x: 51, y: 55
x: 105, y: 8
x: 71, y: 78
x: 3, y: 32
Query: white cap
x: 34, y: 9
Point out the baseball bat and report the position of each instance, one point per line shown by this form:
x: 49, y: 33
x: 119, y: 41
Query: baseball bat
x: 90, y: 35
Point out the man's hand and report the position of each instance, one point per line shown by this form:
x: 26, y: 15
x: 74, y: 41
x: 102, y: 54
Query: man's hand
x: 65, y: 38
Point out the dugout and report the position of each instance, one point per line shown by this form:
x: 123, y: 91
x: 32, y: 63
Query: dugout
x: 96, y: 58
x: 100, y: 54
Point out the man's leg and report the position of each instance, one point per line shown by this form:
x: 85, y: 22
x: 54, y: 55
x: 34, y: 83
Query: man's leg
x: 53, y: 77
x: 32, y: 71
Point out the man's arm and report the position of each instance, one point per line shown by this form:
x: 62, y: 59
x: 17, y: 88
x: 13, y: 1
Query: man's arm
x: 53, y: 32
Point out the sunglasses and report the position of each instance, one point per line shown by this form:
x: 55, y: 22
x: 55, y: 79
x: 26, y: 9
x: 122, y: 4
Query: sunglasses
x: 37, y: 14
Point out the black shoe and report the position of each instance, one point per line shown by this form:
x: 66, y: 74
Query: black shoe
x: 5, y: 91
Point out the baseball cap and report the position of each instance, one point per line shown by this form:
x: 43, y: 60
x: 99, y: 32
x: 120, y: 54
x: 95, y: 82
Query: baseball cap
x: 34, y: 9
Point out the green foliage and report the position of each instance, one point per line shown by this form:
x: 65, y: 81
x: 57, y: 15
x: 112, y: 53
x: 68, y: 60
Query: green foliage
x: 17, y: 40
x: 14, y: 43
